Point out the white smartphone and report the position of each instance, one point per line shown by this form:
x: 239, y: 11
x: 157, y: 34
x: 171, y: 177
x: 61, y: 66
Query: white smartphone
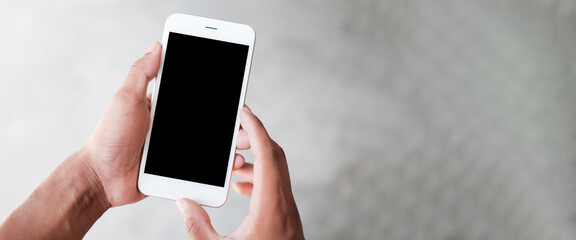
x: 198, y: 94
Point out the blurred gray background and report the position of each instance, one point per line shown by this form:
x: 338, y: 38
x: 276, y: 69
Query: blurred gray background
x: 407, y: 119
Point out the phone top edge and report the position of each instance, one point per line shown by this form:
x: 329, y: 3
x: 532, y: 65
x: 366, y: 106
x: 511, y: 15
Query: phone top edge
x: 185, y: 16
x: 198, y: 17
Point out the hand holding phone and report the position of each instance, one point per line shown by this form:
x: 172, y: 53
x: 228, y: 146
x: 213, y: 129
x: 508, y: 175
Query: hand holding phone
x: 272, y: 207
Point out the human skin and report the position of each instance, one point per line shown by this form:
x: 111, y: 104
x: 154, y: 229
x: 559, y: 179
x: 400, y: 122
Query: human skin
x: 103, y: 174
x: 273, y: 213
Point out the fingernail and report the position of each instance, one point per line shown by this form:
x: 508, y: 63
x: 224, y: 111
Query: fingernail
x: 180, y: 205
x: 247, y: 109
x: 152, y: 47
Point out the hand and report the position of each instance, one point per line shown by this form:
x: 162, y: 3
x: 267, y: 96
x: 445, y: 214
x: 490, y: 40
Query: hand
x: 115, y: 148
x: 273, y: 213
x: 101, y: 175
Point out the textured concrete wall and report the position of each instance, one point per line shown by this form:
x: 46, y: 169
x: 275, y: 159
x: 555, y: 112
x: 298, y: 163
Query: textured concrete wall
x: 401, y: 119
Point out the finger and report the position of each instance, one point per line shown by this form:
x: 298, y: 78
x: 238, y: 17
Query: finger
x: 264, y: 149
x: 258, y: 138
x: 149, y: 100
x: 242, y: 141
x: 238, y: 161
x: 243, y: 188
x: 270, y: 171
x: 246, y: 172
x: 197, y: 221
x: 143, y: 70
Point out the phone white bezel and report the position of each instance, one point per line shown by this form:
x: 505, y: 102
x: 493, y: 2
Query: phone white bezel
x: 170, y: 188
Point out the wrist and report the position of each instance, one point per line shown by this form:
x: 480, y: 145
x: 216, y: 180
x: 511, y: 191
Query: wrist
x: 64, y: 206
x: 83, y: 199
x: 90, y: 173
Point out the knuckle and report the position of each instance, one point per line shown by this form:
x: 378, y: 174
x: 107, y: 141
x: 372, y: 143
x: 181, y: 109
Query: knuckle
x: 277, y: 151
x: 139, y: 69
x: 192, y: 228
x: 128, y: 96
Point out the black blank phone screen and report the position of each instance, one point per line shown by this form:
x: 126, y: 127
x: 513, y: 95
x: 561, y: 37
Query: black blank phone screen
x: 196, y: 109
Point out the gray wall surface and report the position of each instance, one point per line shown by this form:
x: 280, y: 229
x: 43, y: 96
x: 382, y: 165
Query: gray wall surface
x: 406, y: 119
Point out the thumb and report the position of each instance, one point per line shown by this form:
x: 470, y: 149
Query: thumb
x: 143, y: 70
x: 197, y: 221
